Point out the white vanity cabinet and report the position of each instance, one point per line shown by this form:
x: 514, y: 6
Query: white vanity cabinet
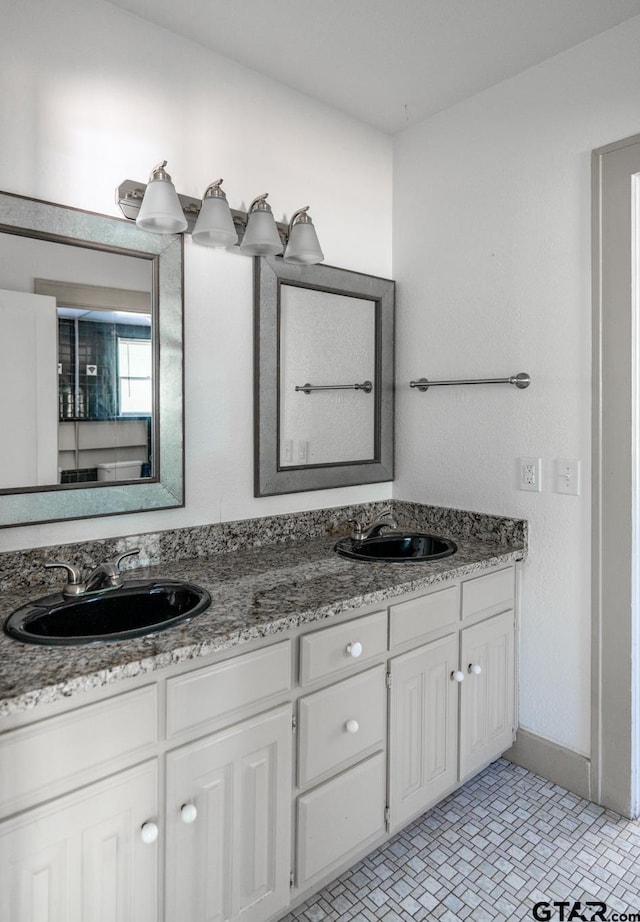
x: 223, y: 789
x: 83, y: 856
x: 228, y: 822
x: 487, y: 692
x: 487, y: 662
x: 228, y: 792
x: 452, y: 699
x: 75, y: 847
x: 341, y: 753
x: 338, y: 818
x: 423, y: 748
x: 108, y: 847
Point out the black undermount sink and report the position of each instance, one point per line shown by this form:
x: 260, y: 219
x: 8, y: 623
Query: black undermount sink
x: 135, y: 609
x: 397, y: 547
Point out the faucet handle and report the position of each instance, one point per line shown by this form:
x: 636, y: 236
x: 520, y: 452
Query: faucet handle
x: 386, y: 514
x: 74, y: 584
x: 116, y: 560
x: 356, y: 534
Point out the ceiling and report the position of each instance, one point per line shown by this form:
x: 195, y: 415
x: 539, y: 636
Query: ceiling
x: 389, y: 63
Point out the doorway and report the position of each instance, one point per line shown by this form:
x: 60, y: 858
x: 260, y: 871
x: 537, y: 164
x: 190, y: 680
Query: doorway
x: 615, y: 668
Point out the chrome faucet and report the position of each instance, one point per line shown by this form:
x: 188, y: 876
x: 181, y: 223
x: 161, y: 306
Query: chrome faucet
x: 386, y: 519
x: 105, y: 576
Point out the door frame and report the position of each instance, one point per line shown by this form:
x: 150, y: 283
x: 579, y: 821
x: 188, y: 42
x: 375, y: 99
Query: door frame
x: 615, y: 568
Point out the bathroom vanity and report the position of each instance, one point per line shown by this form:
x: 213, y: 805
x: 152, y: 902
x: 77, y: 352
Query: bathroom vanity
x: 230, y: 767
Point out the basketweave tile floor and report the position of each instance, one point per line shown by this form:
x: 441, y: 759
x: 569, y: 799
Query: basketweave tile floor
x: 493, y: 849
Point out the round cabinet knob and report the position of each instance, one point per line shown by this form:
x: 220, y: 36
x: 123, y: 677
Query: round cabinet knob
x: 188, y: 813
x: 457, y: 676
x: 354, y: 649
x: 149, y: 833
x: 475, y: 668
x: 352, y: 726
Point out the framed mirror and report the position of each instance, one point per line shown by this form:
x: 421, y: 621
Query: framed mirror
x: 91, y: 365
x: 323, y: 377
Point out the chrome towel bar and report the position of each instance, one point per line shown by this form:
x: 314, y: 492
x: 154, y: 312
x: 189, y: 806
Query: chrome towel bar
x: 520, y: 381
x: 366, y: 386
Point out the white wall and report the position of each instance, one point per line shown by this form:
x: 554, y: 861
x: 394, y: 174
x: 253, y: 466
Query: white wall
x: 491, y: 256
x: 492, y: 259
x: 90, y: 96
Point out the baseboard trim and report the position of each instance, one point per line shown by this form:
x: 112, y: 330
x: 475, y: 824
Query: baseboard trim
x: 552, y: 761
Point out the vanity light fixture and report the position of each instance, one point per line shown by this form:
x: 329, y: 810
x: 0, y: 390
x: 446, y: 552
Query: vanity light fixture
x: 158, y: 208
x: 303, y: 246
x: 214, y: 226
x: 261, y: 237
x: 161, y: 211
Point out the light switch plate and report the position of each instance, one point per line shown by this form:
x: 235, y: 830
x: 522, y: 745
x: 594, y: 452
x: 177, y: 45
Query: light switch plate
x: 567, y: 476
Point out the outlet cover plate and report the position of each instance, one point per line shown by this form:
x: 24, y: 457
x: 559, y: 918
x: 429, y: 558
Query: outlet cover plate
x: 530, y: 474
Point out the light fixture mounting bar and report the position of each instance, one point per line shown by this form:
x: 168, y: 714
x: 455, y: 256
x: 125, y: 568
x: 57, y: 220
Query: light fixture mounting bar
x: 129, y: 195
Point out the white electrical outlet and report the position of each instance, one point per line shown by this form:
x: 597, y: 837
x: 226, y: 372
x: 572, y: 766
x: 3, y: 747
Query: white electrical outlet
x: 568, y: 476
x: 530, y: 474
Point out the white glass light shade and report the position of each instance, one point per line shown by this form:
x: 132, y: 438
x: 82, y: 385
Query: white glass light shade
x: 214, y: 227
x: 261, y: 238
x: 303, y: 246
x: 161, y: 212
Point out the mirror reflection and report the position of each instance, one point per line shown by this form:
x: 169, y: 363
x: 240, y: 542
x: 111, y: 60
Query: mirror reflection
x: 327, y: 370
x: 77, y: 356
x: 323, y: 377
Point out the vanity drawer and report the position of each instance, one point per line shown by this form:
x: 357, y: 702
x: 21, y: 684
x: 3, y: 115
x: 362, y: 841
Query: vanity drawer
x: 340, y: 723
x: 207, y: 694
x: 418, y: 617
x: 333, y: 649
x: 489, y: 594
x: 48, y: 758
x: 339, y: 816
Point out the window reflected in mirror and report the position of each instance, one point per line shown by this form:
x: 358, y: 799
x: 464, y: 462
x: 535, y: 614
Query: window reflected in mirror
x: 134, y: 376
x: 78, y: 359
x: 105, y: 394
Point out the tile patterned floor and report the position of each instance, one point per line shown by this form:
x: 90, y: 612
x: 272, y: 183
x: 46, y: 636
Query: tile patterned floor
x: 505, y: 841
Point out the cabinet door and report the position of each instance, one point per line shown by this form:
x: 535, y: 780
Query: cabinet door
x: 487, y: 693
x: 423, y: 727
x: 340, y: 816
x: 82, y: 857
x: 230, y: 858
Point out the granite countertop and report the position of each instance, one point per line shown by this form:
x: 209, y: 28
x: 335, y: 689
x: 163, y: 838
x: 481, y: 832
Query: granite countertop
x: 256, y: 592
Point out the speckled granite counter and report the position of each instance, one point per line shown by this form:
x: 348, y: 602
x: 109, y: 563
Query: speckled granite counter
x: 255, y: 592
